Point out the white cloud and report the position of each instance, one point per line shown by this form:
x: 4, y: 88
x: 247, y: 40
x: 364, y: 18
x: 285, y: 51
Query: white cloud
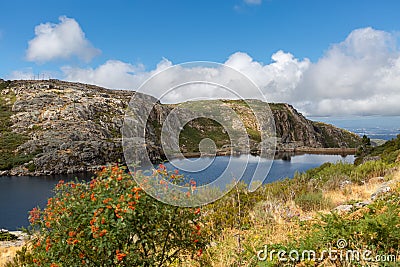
x: 60, y: 41
x: 277, y: 80
x: 113, y: 74
x: 21, y: 75
x: 359, y: 76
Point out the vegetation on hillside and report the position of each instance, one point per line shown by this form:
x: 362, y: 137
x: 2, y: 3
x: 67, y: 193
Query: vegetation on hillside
x: 112, y: 222
x: 191, y: 136
x: 100, y: 223
x: 388, y: 152
x: 9, y: 140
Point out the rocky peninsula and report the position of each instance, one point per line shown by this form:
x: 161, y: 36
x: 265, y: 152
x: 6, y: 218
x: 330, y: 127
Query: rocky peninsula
x: 53, y: 127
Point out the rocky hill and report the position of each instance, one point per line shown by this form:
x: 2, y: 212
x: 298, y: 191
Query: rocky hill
x: 52, y: 126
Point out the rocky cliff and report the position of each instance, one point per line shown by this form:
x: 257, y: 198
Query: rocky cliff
x: 51, y: 126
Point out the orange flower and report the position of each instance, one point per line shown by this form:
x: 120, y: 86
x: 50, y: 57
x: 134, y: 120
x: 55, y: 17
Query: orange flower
x: 47, y: 224
x: 197, y: 211
x: 114, y: 168
x: 72, y: 241
x: 53, y: 265
x: 92, y: 197
x: 136, y: 189
x: 199, y: 252
x: 94, y: 229
x: 34, y: 215
x: 103, y: 232
x: 120, y: 255
x: 103, y: 220
x: 105, y: 201
x: 92, y: 183
x: 81, y: 255
x: 137, y: 196
x: 71, y: 233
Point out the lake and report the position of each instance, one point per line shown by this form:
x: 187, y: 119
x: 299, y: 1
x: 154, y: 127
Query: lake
x: 19, y: 194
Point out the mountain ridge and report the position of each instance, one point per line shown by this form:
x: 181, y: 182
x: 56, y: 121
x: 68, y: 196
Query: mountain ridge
x: 52, y: 126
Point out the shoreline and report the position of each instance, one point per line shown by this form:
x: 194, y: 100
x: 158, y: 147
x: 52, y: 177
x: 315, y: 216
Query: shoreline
x: 278, y: 154
x: 292, y: 152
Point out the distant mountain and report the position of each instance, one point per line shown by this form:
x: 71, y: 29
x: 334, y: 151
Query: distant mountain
x: 52, y: 126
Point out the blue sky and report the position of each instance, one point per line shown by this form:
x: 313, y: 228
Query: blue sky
x: 311, y: 43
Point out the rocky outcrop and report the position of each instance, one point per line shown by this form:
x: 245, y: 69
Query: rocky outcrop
x: 295, y: 131
x: 71, y: 127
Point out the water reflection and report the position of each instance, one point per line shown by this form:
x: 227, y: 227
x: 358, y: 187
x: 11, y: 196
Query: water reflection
x: 20, y: 194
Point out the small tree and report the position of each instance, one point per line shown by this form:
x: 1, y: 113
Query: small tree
x: 112, y: 222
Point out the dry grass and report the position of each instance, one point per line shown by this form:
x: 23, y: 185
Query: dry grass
x: 353, y: 192
x: 225, y: 251
x: 7, y: 254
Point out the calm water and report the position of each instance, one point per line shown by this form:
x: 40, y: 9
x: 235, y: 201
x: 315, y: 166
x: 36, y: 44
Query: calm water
x: 280, y: 168
x: 18, y: 195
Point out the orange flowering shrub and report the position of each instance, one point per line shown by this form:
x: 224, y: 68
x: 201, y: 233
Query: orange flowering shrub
x: 113, y: 222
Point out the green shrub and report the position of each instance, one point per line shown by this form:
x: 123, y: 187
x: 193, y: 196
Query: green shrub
x: 22, y: 258
x: 6, y: 236
x: 374, y: 227
x: 112, y: 222
x: 309, y: 201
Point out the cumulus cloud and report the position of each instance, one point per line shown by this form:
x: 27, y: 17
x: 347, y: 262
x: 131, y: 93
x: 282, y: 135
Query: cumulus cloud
x: 60, y: 41
x: 113, y: 74
x: 358, y: 76
x: 277, y: 80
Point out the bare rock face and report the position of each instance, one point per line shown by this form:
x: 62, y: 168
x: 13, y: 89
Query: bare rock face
x: 70, y: 127
x: 296, y: 131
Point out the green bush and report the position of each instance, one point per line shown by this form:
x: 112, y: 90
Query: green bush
x: 6, y: 236
x: 374, y: 227
x: 112, y: 222
x: 309, y: 201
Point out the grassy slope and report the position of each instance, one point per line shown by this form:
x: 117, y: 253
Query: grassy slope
x: 296, y: 214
